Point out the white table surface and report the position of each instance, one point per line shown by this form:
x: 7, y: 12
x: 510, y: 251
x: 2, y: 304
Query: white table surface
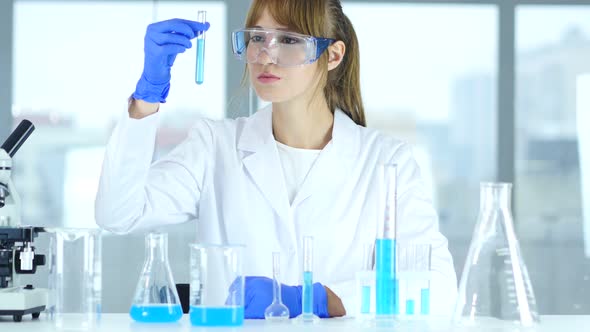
x: 122, y: 322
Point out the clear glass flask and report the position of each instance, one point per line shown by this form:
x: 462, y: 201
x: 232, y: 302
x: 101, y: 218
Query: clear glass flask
x: 276, y: 311
x: 156, y: 299
x: 217, y: 285
x: 75, y: 278
x: 200, y: 65
x: 495, y: 287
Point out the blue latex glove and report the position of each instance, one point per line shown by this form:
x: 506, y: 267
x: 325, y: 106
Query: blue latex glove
x: 163, y: 41
x: 258, y: 296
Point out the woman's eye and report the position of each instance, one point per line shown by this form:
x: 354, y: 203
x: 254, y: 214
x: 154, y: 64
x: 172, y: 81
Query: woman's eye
x: 289, y: 40
x: 256, y: 39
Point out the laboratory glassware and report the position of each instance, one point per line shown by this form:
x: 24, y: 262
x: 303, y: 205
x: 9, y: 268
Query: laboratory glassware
x: 307, y: 315
x: 495, y: 285
x: 217, y: 285
x: 365, y: 283
x: 276, y: 311
x: 75, y: 278
x: 385, y: 279
x: 413, y: 274
x: 156, y: 299
x: 200, y: 65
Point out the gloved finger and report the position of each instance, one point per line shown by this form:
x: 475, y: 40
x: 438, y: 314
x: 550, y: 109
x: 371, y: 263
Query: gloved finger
x: 170, y: 38
x: 174, y: 25
x: 171, y: 49
x: 171, y: 59
x: 198, y: 27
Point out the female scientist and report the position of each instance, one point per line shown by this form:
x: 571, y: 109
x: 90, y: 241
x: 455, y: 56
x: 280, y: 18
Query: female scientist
x: 306, y: 165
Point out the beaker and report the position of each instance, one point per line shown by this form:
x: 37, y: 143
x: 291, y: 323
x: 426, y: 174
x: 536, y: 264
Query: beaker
x: 217, y: 285
x: 75, y: 278
x: 413, y: 274
x: 156, y: 299
x: 495, y: 286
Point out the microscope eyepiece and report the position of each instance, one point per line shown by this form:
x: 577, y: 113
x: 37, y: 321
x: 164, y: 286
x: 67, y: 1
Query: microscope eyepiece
x: 18, y: 137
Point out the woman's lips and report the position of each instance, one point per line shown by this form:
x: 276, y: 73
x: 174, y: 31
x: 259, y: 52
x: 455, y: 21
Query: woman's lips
x: 267, y: 78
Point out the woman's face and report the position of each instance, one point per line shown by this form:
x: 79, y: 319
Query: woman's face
x: 279, y: 84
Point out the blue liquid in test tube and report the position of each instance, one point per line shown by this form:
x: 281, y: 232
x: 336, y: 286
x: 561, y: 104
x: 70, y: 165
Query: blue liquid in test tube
x: 307, y: 293
x: 366, y: 300
x: 200, y: 67
x: 425, y: 301
x: 307, y: 315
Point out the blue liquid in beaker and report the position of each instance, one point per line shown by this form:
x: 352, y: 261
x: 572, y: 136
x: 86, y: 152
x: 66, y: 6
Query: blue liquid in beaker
x: 156, y: 313
x: 217, y: 316
x: 200, y: 70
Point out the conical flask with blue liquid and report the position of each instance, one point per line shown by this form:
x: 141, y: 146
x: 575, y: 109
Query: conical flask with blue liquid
x: 156, y: 299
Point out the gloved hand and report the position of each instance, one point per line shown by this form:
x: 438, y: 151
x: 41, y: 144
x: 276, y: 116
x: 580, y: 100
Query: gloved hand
x: 259, y: 295
x: 163, y: 41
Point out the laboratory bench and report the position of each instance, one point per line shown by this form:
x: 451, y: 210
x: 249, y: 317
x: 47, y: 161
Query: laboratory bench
x: 122, y: 322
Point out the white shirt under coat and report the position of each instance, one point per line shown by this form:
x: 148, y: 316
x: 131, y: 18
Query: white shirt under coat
x: 227, y: 174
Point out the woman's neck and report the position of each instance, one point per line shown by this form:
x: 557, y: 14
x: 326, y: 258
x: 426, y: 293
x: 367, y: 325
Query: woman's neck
x: 302, y: 124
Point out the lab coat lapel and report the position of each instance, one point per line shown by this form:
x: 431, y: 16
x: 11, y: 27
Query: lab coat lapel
x: 261, y: 160
x: 336, y: 160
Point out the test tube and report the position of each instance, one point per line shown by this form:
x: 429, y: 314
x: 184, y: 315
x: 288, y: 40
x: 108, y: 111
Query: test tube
x: 307, y: 291
x: 414, y: 279
x: 386, y: 282
x: 366, y: 285
x: 200, y: 67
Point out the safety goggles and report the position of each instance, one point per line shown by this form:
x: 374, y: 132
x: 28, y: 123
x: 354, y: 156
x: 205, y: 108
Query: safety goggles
x: 283, y: 48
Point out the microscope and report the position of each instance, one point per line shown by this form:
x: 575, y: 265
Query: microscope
x: 17, y: 253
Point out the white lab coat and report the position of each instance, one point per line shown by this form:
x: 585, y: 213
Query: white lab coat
x: 227, y: 175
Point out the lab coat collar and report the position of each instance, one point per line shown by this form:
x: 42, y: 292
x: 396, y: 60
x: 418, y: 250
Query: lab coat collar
x: 257, y: 132
x: 261, y: 159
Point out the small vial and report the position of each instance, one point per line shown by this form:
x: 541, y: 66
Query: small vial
x: 200, y: 67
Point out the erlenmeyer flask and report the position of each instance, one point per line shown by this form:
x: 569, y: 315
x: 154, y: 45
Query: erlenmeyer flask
x: 495, y: 284
x: 156, y: 299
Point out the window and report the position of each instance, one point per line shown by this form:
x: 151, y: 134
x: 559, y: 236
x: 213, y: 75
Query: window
x: 75, y: 65
x: 552, y: 49
x: 428, y: 76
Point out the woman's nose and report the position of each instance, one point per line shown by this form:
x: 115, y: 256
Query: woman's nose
x: 265, y: 57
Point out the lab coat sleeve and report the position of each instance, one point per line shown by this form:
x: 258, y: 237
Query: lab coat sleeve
x: 136, y: 194
x: 417, y: 222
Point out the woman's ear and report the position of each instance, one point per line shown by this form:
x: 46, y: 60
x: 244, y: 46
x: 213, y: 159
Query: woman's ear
x: 336, y: 53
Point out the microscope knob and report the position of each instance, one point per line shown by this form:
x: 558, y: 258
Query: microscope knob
x: 39, y: 260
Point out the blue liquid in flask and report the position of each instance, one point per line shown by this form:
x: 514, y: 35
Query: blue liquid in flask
x: 157, y: 313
